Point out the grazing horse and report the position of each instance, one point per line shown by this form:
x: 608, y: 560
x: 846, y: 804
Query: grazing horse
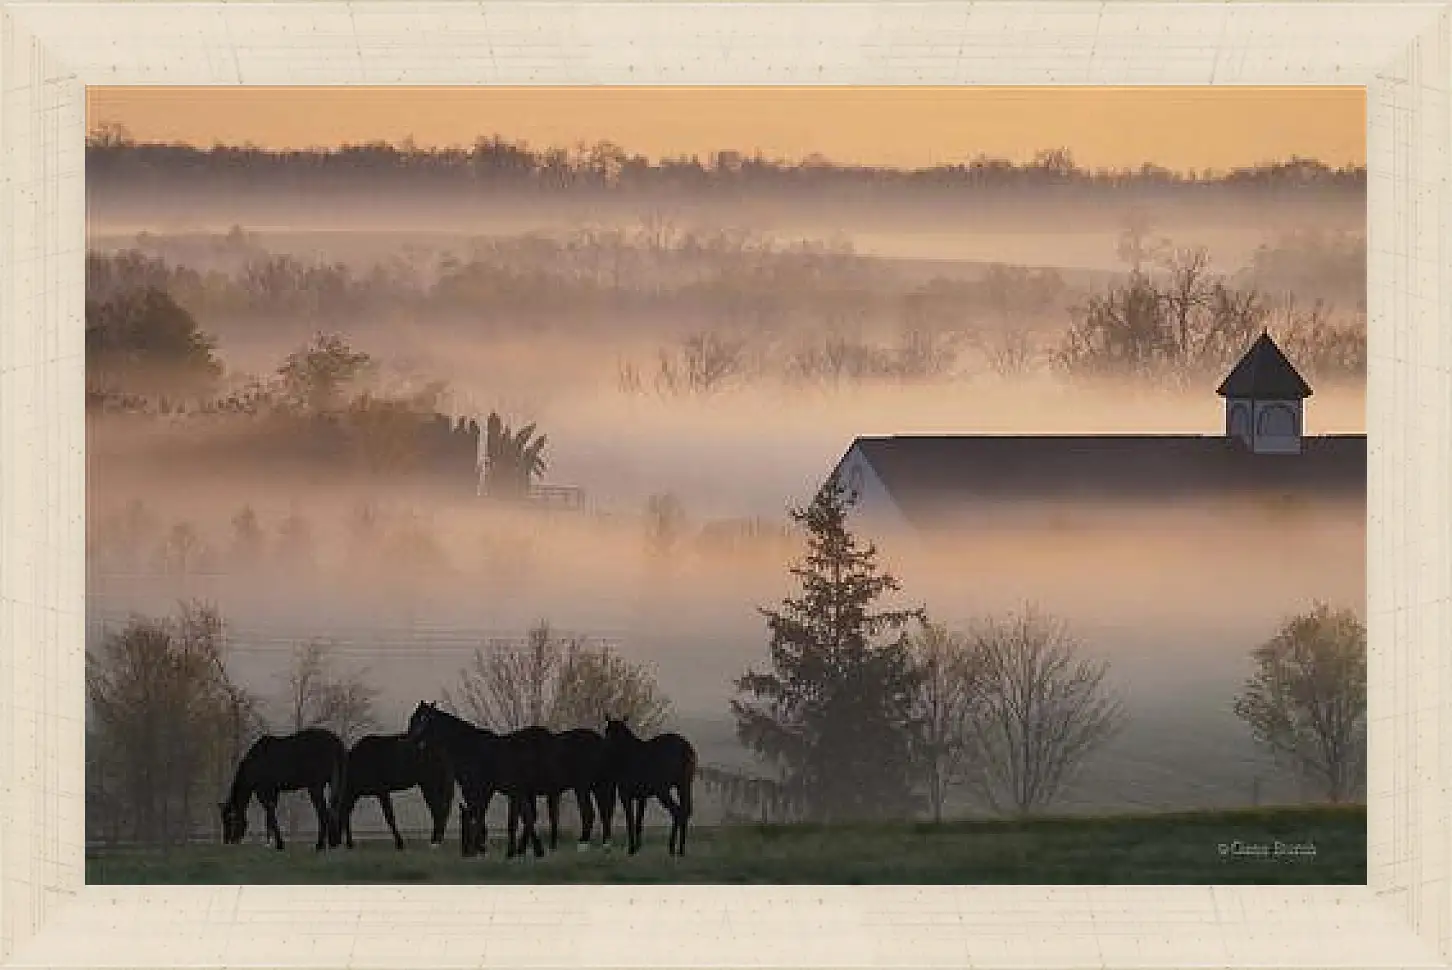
x: 380, y: 764
x: 484, y: 762
x: 582, y: 766
x: 311, y: 760
x: 644, y: 768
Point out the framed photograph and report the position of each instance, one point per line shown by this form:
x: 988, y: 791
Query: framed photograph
x: 647, y: 484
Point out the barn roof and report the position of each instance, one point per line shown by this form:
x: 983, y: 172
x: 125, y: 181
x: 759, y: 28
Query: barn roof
x: 931, y: 474
x: 1264, y: 372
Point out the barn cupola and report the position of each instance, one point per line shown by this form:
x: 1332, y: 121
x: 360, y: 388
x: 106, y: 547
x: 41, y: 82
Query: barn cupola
x: 1265, y: 400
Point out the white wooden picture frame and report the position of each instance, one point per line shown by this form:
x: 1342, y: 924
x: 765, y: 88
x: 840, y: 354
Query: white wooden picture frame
x: 50, y: 51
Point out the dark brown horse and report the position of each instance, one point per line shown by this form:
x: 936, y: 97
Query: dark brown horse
x: 643, y: 769
x: 380, y: 764
x: 581, y: 765
x: 311, y: 760
x: 520, y: 765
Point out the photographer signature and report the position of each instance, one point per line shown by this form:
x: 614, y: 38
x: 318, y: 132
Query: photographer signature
x: 1267, y: 850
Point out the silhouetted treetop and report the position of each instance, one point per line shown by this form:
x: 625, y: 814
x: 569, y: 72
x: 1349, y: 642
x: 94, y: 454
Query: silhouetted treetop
x: 113, y: 157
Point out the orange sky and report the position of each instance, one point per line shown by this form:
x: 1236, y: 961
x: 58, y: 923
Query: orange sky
x: 1179, y: 128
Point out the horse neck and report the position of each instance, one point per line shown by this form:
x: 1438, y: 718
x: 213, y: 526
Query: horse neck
x: 630, y: 742
x: 455, y: 732
x: 241, y: 792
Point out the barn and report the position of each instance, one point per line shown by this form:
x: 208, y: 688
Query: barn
x: 919, y: 482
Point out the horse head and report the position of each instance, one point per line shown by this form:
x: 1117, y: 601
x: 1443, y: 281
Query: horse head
x: 616, y: 729
x: 419, y: 723
x: 234, y: 822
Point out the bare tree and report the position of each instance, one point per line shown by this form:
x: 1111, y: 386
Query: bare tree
x: 509, y: 686
x: 704, y: 363
x: 248, y: 540
x: 597, y: 683
x: 1009, y: 351
x: 1306, y: 702
x: 1135, y: 245
x: 1042, y: 710
x: 947, y: 690
x: 1186, y: 295
x: 924, y: 353
x: 556, y: 682
x: 165, y: 721
x: 183, y: 552
x: 318, y: 695
x: 1174, y: 325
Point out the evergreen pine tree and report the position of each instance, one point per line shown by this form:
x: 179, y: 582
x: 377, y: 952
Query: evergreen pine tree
x: 835, y: 714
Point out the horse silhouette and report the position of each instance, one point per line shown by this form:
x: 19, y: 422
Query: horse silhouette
x: 581, y: 765
x: 380, y: 764
x: 651, y: 768
x: 311, y: 760
x: 519, y: 765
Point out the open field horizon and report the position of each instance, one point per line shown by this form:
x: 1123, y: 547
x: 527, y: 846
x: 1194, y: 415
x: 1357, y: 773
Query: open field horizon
x: 1324, y: 846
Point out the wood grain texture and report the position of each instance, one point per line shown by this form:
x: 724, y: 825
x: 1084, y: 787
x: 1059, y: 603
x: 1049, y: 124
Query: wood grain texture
x: 50, y: 51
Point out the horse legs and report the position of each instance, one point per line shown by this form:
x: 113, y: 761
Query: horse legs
x: 439, y: 810
x: 587, y: 814
x: 635, y: 822
x: 481, y: 821
x: 466, y: 829
x: 680, y: 810
x: 686, y: 811
x: 385, y: 802
x: 605, y: 798
x: 325, y: 816
x: 269, y: 808
x: 530, y: 815
x: 552, y: 805
x: 514, y: 813
x: 344, y: 820
x: 674, y: 810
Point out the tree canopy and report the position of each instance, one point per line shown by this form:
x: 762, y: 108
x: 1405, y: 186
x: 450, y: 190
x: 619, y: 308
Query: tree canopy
x: 836, y: 713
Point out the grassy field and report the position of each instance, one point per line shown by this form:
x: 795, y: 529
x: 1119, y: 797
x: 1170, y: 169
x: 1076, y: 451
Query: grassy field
x: 1198, y: 847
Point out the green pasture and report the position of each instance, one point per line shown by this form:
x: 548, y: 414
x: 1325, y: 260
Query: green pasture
x: 1185, y: 847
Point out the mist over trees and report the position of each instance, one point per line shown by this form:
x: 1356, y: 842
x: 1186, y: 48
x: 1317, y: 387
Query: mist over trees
x: 1041, y: 708
x: 1306, y: 700
x: 214, y: 355
x: 864, y: 714
x: 834, y: 713
x: 1181, y: 322
x: 318, y: 693
x: 761, y: 312
x: 141, y: 343
x: 557, y: 681
x: 165, y: 725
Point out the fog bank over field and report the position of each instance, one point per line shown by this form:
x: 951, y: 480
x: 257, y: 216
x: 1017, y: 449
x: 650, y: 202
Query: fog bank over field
x: 1173, y: 598
x: 744, y: 452
x: 721, y: 346
x: 1071, y: 235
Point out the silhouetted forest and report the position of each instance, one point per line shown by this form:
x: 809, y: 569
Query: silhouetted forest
x: 493, y: 161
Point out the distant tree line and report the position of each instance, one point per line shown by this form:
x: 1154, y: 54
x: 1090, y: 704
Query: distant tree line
x: 113, y: 159
x: 795, y: 313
